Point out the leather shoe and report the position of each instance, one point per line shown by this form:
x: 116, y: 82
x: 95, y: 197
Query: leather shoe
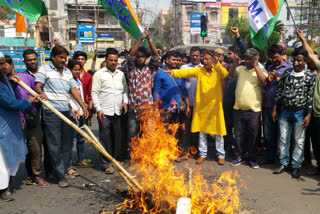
x: 280, y: 170
x: 200, y: 160
x: 296, y: 173
x: 221, y: 161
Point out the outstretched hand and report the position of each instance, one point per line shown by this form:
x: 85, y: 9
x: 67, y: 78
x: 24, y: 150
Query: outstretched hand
x: 170, y: 73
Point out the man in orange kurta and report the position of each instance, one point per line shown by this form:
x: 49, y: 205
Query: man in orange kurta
x: 208, y: 117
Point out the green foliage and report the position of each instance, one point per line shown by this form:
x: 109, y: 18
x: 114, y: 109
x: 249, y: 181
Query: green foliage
x: 167, y: 31
x: 243, y: 26
x: 158, y: 43
x: 6, y: 13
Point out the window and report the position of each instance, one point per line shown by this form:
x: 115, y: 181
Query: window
x: 233, y: 13
x: 101, y: 18
x: 53, y: 4
x: 189, y: 16
x: 214, y: 16
x: 72, y: 35
x: 288, y: 14
x: 1, y: 31
x: 91, y: 16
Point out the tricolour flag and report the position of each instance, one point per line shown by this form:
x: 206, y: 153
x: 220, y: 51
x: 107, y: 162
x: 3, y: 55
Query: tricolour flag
x: 263, y: 15
x: 123, y: 11
x: 31, y: 9
x: 21, y: 26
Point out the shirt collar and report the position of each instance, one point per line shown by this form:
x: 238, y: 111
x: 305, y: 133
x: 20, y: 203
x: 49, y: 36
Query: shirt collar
x: 54, y: 68
x: 297, y: 74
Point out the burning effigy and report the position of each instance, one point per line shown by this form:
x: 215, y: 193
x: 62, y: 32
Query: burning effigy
x: 153, y: 152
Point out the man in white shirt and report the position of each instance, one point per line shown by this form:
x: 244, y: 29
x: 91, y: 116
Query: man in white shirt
x: 110, y: 97
x: 191, y: 139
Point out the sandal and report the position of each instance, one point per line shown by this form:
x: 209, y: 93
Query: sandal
x: 28, y: 181
x: 63, y: 184
x: 109, y: 170
x: 41, y: 182
x: 84, y: 164
x: 72, y: 172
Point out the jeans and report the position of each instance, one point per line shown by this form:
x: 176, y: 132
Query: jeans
x: 79, y: 141
x: 203, y: 145
x: 246, y: 130
x: 34, y: 138
x: 270, y: 134
x: 58, y: 136
x: 315, y: 138
x: 133, y: 125
x: 189, y: 138
x: 288, y: 122
x: 110, y: 138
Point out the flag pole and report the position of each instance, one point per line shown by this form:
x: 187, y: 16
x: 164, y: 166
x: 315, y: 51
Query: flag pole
x: 294, y: 23
x: 97, y: 27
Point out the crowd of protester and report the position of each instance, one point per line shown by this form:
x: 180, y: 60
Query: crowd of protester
x: 218, y: 98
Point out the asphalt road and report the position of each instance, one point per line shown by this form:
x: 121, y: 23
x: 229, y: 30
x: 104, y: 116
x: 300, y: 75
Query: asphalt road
x: 264, y: 193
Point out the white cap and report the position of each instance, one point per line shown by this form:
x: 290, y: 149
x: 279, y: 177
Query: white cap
x: 1, y: 55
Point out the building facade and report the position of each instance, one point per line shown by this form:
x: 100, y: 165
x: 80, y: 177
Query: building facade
x: 63, y: 25
x: 182, y: 19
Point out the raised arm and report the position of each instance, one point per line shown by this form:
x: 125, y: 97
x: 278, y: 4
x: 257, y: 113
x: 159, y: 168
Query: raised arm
x: 306, y: 46
x: 153, y: 48
x: 135, y: 48
x: 240, y: 42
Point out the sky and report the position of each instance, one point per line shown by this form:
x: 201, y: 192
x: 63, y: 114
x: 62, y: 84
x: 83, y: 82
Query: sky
x: 155, y: 6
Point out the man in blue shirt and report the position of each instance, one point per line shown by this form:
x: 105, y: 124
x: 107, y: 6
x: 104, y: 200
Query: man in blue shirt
x: 277, y: 68
x: 168, y: 92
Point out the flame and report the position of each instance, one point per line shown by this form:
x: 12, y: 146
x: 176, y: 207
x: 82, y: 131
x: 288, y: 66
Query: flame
x: 152, y: 152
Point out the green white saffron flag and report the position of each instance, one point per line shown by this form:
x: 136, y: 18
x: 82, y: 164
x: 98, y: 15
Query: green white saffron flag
x: 263, y: 15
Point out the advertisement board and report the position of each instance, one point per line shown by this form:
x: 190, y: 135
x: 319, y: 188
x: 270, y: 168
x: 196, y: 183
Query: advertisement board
x: 105, y: 37
x: 86, y: 33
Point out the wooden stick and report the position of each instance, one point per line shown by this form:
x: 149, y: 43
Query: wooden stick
x: 99, y: 144
x: 294, y: 23
x: 119, y: 171
x: 85, y: 135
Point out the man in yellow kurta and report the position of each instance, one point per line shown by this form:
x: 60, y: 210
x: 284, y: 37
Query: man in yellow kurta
x: 208, y: 117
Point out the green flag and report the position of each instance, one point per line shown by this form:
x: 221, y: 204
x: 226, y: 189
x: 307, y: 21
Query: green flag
x: 31, y: 9
x: 263, y: 15
x: 122, y: 10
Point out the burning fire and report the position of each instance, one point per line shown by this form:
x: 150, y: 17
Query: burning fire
x: 153, y: 151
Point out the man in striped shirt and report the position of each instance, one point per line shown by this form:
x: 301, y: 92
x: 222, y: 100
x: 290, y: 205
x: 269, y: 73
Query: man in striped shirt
x: 55, y: 82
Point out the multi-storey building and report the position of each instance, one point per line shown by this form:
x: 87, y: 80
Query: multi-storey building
x: 63, y: 24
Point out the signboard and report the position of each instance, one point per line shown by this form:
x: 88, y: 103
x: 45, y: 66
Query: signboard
x: 213, y: 5
x: 234, y: 4
x: 105, y: 37
x: 202, y: 1
x: 196, y: 23
x: 86, y: 33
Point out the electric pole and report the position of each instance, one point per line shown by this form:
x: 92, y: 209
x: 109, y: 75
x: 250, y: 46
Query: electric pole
x: 77, y: 21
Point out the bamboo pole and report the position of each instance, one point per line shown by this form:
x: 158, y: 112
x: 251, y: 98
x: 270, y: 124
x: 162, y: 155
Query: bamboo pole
x: 99, y: 144
x: 85, y: 135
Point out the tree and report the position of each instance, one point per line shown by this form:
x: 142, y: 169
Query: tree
x: 162, y: 34
x: 6, y: 13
